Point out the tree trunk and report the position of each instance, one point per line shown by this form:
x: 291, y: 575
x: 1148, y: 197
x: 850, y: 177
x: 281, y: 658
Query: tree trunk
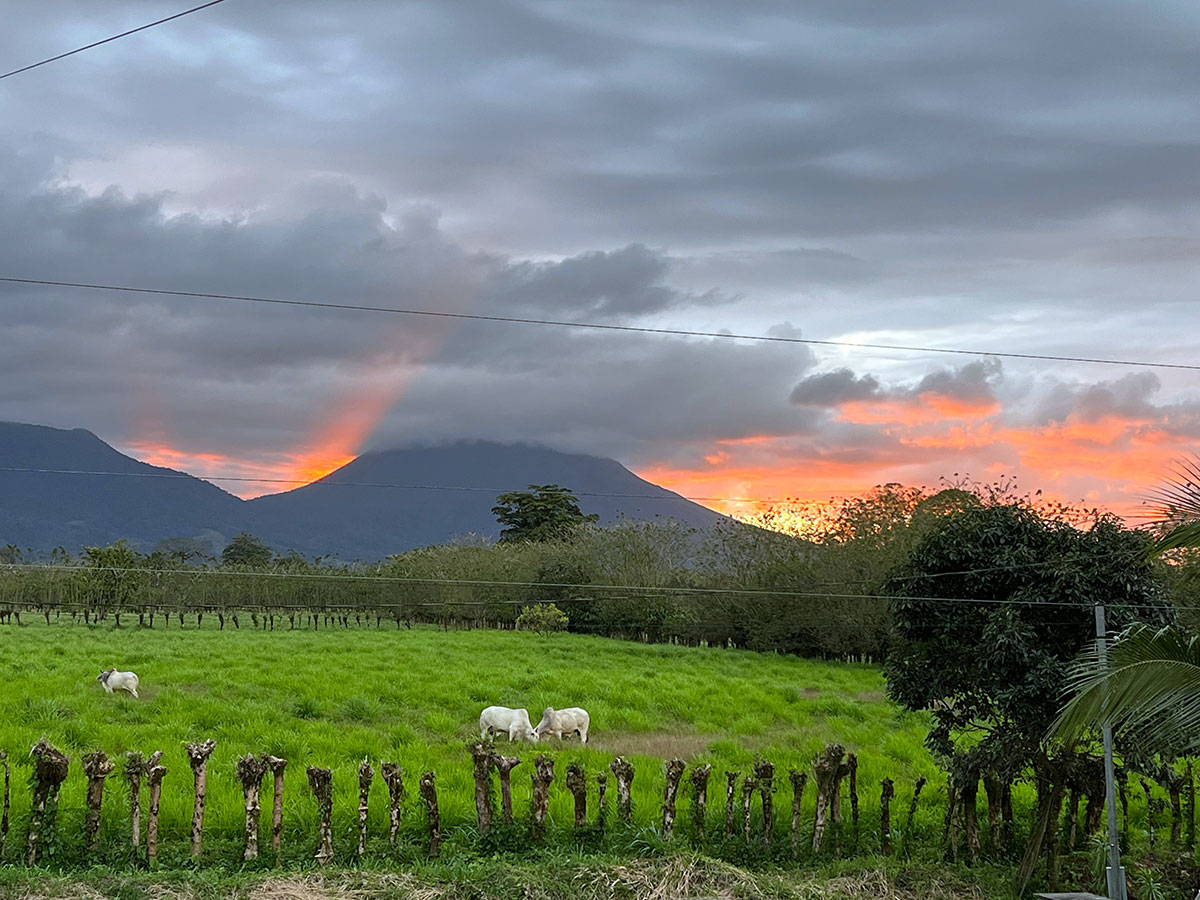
x: 1053, y: 835
x: 730, y: 792
x: 543, y: 775
x: 277, y: 766
x: 624, y: 773
x: 888, y: 790
x: 250, y: 771
x: 1093, y: 811
x: 482, y: 759
x: 154, y: 779
x: 1150, y: 804
x: 366, y: 774
x: 674, y: 773
x: 799, y: 780
x: 1072, y: 818
x: 748, y: 787
x: 428, y: 791
x: 505, y: 765
x: 1049, y: 798
x: 970, y: 794
x: 699, y: 778
x: 829, y: 770
x: 1123, y: 791
x: 198, y: 757
x: 577, y: 785
x: 1190, y: 784
x: 992, y: 788
x: 97, y: 767
x: 321, y: 782
x: 1173, y: 782
x: 50, y: 769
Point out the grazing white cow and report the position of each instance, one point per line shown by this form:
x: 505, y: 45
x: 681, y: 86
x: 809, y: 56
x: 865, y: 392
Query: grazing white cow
x: 502, y: 720
x: 118, y: 681
x: 560, y: 722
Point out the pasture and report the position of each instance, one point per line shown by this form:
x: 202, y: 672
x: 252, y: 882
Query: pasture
x: 331, y: 697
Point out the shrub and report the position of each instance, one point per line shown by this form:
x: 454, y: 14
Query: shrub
x: 543, y: 618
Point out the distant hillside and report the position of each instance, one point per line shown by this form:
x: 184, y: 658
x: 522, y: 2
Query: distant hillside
x: 44, y: 511
x: 367, y: 519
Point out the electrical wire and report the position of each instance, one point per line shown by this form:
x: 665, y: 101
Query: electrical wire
x: 596, y: 326
x: 179, y: 15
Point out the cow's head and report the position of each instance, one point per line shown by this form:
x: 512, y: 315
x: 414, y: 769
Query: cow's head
x: 103, y: 676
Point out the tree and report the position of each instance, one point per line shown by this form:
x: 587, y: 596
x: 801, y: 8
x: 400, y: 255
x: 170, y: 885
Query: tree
x: 1150, y: 686
x: 545, y: 512
x: 246, y: 550
x: 182, y: 550
x: 543, y: 618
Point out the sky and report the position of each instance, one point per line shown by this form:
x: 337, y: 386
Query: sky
x: 1016, y: 177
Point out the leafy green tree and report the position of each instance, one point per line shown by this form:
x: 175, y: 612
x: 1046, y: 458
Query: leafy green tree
x: 113, y: 577
x: 545, y: 512
x: 246, y: 550
x: 182, y: 550
x: 544, y: 618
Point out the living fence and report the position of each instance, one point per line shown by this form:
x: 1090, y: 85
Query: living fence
x: 747, y: 822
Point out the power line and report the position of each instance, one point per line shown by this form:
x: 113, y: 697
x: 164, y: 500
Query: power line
x: 186, y: 12
x: 597, y: 326
x: 470, y: 582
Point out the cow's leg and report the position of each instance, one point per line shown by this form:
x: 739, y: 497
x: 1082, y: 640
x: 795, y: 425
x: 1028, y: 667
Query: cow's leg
x: 583, y: 735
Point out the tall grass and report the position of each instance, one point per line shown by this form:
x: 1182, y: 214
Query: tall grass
x: 330, y: 698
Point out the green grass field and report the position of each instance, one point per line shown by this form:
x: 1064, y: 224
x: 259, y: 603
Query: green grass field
x: 329, y: 698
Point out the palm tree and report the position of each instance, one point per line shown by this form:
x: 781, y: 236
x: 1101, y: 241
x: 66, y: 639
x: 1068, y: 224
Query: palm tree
x: 1150, y: 685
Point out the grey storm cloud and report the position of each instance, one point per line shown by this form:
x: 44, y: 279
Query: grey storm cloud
x: 1014, y: 176
x: 972, y: 383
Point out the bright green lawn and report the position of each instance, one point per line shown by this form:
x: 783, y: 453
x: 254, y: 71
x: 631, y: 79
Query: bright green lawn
x: 329, y: 698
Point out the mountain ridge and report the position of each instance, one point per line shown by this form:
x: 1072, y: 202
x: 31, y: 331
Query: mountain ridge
x: 383, y: 501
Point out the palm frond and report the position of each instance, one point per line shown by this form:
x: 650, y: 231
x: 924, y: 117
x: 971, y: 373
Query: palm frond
x: 1149, y: 689
x: 1175, y: 506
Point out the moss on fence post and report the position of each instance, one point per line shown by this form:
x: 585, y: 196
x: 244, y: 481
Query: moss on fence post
x: 50, y: 767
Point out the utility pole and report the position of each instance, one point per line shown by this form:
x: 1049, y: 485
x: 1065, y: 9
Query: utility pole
x: 1115, y: 872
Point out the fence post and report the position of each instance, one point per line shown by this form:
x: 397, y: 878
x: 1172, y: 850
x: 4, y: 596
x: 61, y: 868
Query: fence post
x: 699, y: 776
x: 764, y: 777
x: 198, y: 757
x: 392, y: 777
x: 154, y: 777
x: 885, y: 816
x: 321, y: 782
x: 912, y: 810
x: 505, y: 765
x: 602, y: 807
x: 366, y: 774
x: 428, y: 790
x: 250, y: 771
x: 97, y: 766
x: 829, y: 770
x: 50, y: 768
x: 799, y: 780
x: 4, y: 809
x: 482, y: 757
x: 543, y: 775
x: 674, y: 773
x: 277, y: 766
x: 624, y: 772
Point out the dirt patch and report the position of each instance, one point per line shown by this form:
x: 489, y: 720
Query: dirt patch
x: 810, y: 693
x: 193, y: 687
x: 661, y: 744
x: 870, y: 697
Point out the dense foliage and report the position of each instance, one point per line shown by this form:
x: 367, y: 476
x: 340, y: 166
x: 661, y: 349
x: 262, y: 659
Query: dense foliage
x: 545, y: 512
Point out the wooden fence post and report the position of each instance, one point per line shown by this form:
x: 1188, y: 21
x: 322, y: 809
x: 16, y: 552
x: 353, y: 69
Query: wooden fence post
x: 764, y: 777
x: 97, y: 766
x: 482, y: 755
x: 321, y: 782
x: 799, y: 780
x: 912, y: 809
x: 601, y: 805
x: 829, y: 769
x: 198, y: 757
x: 50, y: 768
x: 392, y: 777
x: 4, y: 809
x: 674, y: 772
x: 154, y: 777
x: 885, y: 816
x: 699, y: 776
x: 250, y: 771
x: 366, y: 774
x: 135, y: 766
x: 277, y: 765
x: 577, y: 785
x: 748, y: 787
x: 428, y: 791
x: 543, y: 775
x: 505, y: 765
x: 730, y: 792
x: 624, y: 773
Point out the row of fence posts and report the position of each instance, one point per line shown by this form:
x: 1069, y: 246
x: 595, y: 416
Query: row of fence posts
x: 831, y: 768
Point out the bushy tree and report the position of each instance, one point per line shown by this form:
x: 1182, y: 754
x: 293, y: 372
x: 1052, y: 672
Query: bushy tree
x: 246, y: 550
x: 543, y: 618
x: 545, y: 512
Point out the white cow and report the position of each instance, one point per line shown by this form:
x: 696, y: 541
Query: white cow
x: 502, y: 720
x: 559, y: 722
x: 118, y: 681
